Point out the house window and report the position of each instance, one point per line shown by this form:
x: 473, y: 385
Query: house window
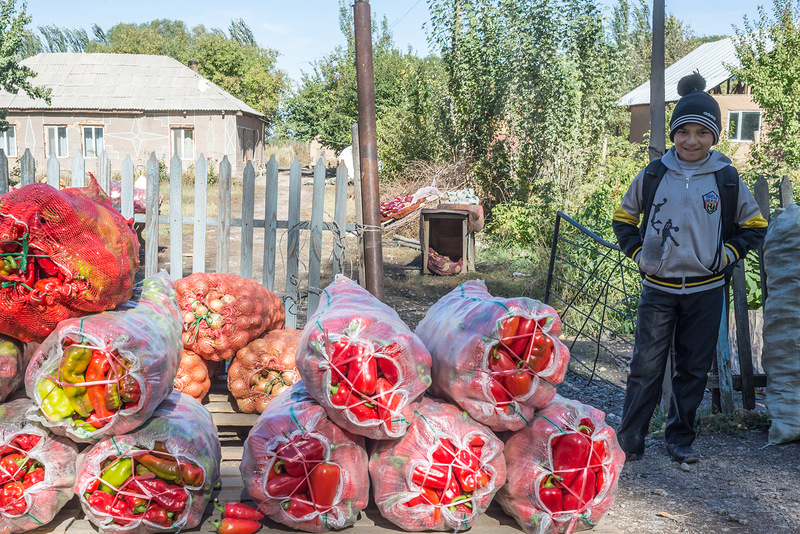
x: 743, y: 125
x: 183, y: 143
x: 8, y: 141
x: 56, y: 141
x: 92, y: 141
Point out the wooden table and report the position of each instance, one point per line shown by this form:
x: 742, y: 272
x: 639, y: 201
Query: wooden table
x: 447, y: 232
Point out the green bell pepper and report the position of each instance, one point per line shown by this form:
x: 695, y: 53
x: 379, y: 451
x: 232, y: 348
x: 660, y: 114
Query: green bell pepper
x: 54, y: 401
x: 73, y: 368
x: 116, y: 474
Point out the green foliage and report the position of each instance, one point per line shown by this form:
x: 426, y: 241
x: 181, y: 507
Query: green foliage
x: 514, y: 223
x: 13, y: 76
x: 734, y: 423
x: 767, y: 49
x: 752, y: 278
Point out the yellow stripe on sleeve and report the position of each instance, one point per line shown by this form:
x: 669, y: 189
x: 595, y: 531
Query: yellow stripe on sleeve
x: 732, y: 249
x: 756, y: 222
x: 623, y: 216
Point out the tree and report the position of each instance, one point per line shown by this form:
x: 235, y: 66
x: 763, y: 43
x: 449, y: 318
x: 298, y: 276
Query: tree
x: 13, y: 76
x: 770, y: 66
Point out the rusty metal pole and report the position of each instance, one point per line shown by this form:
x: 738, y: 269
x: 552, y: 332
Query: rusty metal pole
x: 368, y: 150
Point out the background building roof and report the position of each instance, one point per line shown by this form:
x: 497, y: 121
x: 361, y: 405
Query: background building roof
x: 709, y: 59
x: 121, y: 82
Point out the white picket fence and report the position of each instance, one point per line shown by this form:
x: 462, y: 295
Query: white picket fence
x: 295, y: 293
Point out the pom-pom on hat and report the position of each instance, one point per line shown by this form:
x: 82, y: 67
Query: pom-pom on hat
x: 695, y: 106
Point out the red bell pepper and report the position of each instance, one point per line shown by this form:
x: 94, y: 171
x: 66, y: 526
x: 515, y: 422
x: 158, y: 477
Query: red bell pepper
x: 170, y: 496
x: 300, y: 455
x: 323, y: 485
x: 444, y: 453
x: 237, y: 510
x: 570, y: 455
x: 518, y: 383
x: 33, y: 477
x: 339, y: 354
x: 363, y: 371
x: 298, y: 506
x: 433, y: 476
x: 465, y: 469
x: 231, y: 525
x: 521, y: 341
x: 599, y: 453
x: 498, y: 392
x: 361, y: 409
x: 158, y: 515
x: 476, y: 444
x: 340, y: 394
x: 387, y: 401
x: 286, y: 485
x: 452, y: 492
x: 12, y: 467
x: 500, y: 360
x: 386, y: 359
x: 97, y: 371
x: 427, y: 497
x: 579, y: 492
x: 12, y: 498
x: 508, y: 330
x: 539, y: 351
x: 550, y: 494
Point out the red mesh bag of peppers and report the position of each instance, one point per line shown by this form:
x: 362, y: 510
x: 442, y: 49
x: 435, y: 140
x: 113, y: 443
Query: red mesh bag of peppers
x: 105, y: 374
x: 301, y: 469
x: 223, y: 312
x: 64, y: 253
x: 37, y: 470
x: 563, y: 469
x: 499, y: 359
x: 442, y: 474
x: 362, y: 363
x: 156, y: 479
x: 12, y: 365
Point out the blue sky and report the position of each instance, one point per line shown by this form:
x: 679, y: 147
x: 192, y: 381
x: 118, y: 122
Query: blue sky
x: 305, y: 30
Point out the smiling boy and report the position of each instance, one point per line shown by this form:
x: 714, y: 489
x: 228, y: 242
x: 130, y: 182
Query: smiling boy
x: 706, y: 220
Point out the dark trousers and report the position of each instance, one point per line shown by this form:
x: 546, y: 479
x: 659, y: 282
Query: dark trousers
x: 695, y: 320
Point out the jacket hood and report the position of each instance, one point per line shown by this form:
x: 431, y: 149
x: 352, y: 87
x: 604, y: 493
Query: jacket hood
x: 715, y: 162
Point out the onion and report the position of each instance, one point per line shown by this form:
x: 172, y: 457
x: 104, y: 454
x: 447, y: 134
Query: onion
x: 227, y: 299
x: 278, y: 388
x: 288, y: 377
x: 215, y: 321
x: 201, y: 310
x: 216, y: 305
x: 189, y: 317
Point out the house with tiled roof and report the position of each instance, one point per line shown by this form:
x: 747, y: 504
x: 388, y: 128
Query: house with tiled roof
x: 128, y: 104
x: 741, y: 117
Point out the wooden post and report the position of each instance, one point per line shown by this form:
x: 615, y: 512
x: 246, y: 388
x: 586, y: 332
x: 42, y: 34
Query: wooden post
x: 270, y: 223
x: 175, y: 217
x: 248, y: 215
x: 761, y: 193
x: 339, y: 229
x: 291, y: 302
x: 53, y: 172
x: 126, y: 206
x: 79, y: 170
x: 657, y: 113
x: 200, y: 220
x: 743, y: 336
x: 724, y: 363
x: 224, y: 217
x: 27, y: 168
x: 362, y: 277
x: 315, y: 246
x: 3, y: 172
x: 785, y: 191
x: 151, y: 218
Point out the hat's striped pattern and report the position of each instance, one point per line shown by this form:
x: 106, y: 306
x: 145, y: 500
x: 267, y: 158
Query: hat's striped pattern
x: 708, y: 122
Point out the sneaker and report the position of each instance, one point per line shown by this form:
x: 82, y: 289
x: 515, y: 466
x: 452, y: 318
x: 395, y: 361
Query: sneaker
x: 683, y: 453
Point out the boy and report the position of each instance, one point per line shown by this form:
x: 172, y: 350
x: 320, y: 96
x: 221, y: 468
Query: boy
x: 699, y: 219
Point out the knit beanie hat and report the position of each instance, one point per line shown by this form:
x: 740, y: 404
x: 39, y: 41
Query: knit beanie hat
x: 695, y: 106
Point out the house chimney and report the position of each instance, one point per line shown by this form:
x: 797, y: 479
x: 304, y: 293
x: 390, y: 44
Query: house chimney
x: 193, y: 65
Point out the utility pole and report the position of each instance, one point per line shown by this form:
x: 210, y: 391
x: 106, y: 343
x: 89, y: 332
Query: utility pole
x: 658, y: 143
x: 368, y: 150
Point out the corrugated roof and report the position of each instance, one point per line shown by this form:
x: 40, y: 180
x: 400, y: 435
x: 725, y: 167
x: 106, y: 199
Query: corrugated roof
x: 709, y: 59
x: 121, y: 82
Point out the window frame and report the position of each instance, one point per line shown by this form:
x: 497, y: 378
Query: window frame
x: 739, y: 114
x: 182, y: 128
x: 4, y: 141
x: 47, y: 128
x: 94, y: 129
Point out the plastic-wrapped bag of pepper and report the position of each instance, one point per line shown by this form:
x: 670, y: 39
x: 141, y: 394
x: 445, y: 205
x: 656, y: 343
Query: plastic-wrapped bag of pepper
x: 63, y: 253
x: 224, y: 312
x: 563, y: 469
x: 12, y: 365
x: 301, y: 469
x: 156, y: 479
x: 37, y: 470
x: 500, y: 359
x: 105, y: 374
x: 442, y: 474
x: 362, y: 363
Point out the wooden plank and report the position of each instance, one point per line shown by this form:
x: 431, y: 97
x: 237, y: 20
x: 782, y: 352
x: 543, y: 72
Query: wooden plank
x: 785, y: 192
x: 340, y: 221
x: 725, y: 381
x: 315, y: 239
x: 232, y: 418
x: 426, y: 242
x: 151, y: 218
x: 224, y: 216
x: 104, y: 171
x: 761, y: 193
x: 175, y: 217
x: 126, y: 188
x: 743, y: 336
x: 79, y: 170
x: 3, y: 172
x: 248, y: 211
x: 362, y: 276
x: 270, y: 223
x: 27, y: 168
x: 200, y: 206
x: 291, y: 299
x: 54, y: 172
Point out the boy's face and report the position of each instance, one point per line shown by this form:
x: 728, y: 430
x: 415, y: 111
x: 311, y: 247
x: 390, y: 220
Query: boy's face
x: 692, y: 141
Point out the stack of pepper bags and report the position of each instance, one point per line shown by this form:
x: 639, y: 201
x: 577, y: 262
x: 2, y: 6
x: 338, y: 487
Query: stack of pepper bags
x: 156, y: 479
x: 37, y: 470
x: 563, y: 469
x: 105, y: 374
x: 301, y: 469
x: 12, y: 365
x: 63, y: 253
x: 361, y: 362
x: 499, y: 359
x: 442, y: 474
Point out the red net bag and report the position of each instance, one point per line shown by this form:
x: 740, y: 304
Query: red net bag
x: 499, y: 359
x: 362, y: 363
x: 195, y: 374
x: 37, y: 470
x: 264, y: 369
x: 156, y: 479
x: 442, y: 474
x: 65, y: 254
x: 301, y: 469
x: 563, y: 469
x: 12, y: 365
x: 223, y: 312
x: 105, y: 374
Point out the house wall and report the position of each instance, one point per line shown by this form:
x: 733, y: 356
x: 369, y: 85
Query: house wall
x: 640, y: 120
x: 216, y: 135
